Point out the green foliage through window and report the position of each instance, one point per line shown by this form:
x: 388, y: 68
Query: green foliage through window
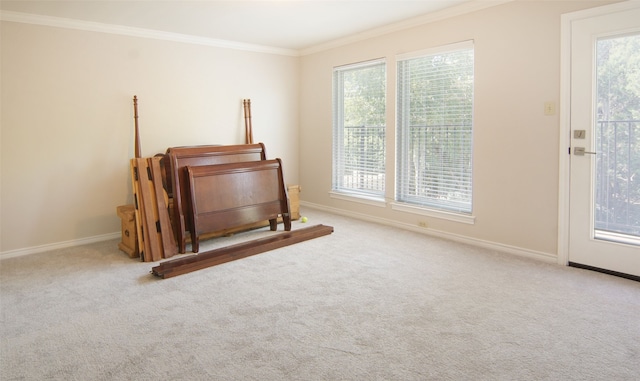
x: 617, y: 135
x: 435, y: 118
x: 359, y: 128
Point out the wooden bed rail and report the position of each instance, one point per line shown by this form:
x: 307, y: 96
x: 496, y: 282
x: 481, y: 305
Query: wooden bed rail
x: 225, y: 254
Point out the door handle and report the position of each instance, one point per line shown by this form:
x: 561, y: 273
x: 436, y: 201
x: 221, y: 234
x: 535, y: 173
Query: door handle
x: 580, y: 151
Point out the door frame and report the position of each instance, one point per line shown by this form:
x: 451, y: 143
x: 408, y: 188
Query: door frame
x: 564, y: 172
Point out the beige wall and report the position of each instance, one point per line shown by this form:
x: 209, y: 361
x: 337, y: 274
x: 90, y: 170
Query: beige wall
x: 516, y: 146
x: 67, y: 121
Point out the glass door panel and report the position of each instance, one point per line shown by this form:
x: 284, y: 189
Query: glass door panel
x: 617, y: 140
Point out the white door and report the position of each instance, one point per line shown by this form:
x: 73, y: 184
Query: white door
x: 604, y: 189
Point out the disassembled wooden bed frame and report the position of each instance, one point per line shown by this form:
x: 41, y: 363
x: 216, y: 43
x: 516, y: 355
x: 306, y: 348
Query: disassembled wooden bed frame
x: 212, y: 188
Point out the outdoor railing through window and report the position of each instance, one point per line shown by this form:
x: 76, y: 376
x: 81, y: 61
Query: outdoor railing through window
x: 617, y: 193
x: 364, y: 168
x: 437, y: 168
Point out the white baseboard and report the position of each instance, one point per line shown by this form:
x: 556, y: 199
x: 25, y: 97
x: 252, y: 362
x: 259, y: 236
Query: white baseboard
x: 538, y: 255
x: 58, y: 245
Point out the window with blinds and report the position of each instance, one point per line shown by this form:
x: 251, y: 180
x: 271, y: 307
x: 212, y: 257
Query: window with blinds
x: 359, y: 100
x: 434, y: 129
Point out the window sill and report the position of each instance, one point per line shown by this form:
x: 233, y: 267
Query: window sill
x: 450, y: 216
x: 362, y: 199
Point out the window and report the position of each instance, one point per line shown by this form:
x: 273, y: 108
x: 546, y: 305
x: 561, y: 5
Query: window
x: 434, y: 129
x: 359, y: 128
x: 617, y: 138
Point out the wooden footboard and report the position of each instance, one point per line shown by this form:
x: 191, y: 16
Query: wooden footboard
x: 181, y: 157
x: 228, y: 195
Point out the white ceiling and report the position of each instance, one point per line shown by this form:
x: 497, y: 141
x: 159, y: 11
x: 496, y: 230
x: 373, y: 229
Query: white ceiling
x: 285, y: 24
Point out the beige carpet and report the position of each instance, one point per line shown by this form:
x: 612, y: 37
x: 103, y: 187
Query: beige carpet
x: 368, y: 302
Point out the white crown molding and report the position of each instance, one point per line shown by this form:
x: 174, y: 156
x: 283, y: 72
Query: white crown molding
x: 59, y: 22
x: 462, y: 9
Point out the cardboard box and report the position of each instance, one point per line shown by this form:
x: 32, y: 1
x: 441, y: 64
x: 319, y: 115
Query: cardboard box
x: 129, y: 243
x: 294, y: 200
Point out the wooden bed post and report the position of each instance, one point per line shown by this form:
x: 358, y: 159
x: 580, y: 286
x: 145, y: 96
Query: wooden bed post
x: 247, y: 121
x: 137, y: 130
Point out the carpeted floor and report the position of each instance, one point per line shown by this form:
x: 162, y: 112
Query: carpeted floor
x: 368, y: 302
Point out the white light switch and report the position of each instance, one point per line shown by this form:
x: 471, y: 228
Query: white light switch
x: 549, y: 108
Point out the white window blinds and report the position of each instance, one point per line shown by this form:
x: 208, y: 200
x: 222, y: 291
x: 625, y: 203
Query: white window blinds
x: 359, y: 128
x: 434, y: 134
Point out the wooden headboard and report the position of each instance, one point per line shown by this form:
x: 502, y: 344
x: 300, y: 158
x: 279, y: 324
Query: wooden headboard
x: 228, y: 195
x: 181, y: 157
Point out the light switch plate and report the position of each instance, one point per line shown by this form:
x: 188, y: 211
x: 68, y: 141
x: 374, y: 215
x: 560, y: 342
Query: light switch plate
x: 549, y: 108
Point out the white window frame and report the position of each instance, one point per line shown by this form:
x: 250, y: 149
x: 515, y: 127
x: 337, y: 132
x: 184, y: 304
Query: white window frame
x: 338, y: 188
x: 464, y: 216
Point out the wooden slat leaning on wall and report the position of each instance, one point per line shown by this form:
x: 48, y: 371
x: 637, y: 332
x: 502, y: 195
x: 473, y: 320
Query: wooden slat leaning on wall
x: 169, y: 245
x: 150, y: 215
x: 155, y: 234
x: 137, y: 201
